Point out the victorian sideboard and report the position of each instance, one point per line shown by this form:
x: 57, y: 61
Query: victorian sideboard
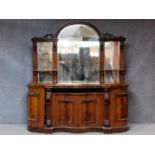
x: 78, y: 81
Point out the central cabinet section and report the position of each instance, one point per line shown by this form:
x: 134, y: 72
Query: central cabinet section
x: 77, y: 109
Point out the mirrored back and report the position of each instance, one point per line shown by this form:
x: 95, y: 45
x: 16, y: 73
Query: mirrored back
x: 78, y: 55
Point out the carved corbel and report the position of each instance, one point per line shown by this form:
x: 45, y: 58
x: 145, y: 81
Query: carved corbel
x: 48, y: 104
x: 107, y: 108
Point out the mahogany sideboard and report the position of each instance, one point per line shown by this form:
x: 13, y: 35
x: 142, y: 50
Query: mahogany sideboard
x: 78, y: 81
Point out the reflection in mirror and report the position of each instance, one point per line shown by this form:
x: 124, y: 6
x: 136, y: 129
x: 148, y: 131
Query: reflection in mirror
x: 116, y: 76
x: 44, y: 50
x: 111, y: 63
x: 45, y: 77
x: 78, y: 53
x: 112, y: 54
x: 108, y: 77
x: 111, y: 76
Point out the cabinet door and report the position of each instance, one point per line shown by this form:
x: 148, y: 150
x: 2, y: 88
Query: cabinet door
x: 36, y: 107
x: 119, y: 107
x: 64, y: 108
x: 90, y: 110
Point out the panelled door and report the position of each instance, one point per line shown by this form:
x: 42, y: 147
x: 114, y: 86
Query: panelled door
x: 64, y: 108
x: 36, y: 107
x: 119, y: 107
x: 90, y: 110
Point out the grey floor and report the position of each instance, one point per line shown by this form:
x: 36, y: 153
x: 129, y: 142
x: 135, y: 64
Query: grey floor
x: 20, y: 129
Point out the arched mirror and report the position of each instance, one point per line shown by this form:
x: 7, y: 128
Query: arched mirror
x: 78, y: 55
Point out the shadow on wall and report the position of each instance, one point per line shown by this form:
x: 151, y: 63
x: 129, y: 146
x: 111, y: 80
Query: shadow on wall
x: 132, y: 99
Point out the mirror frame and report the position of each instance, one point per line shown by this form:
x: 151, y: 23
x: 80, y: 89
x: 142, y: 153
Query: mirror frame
x: 83, y: 79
